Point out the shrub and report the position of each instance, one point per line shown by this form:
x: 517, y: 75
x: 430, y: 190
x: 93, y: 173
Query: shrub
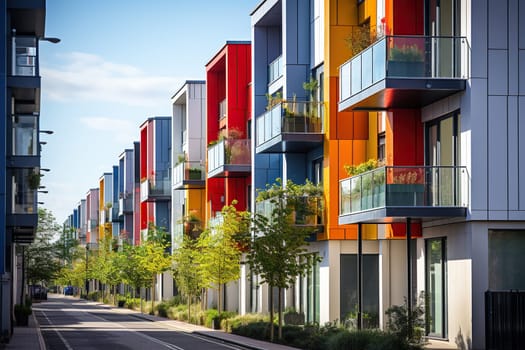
x: 256, y: 330
x: 292, y: 317
x: 365, y: 340
x: 162, y: 309
x: 241, y: 320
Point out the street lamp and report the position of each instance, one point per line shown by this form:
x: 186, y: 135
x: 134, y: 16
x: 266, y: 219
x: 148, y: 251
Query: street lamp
x: 49, y: 132
x: 87, y: 281
x: 50, y: 39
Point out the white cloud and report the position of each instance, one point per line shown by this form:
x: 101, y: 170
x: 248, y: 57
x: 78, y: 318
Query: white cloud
x: 87, y: 77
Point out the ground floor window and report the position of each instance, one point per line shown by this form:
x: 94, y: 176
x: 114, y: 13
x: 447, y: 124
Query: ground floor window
x: 309, y: 294
x: 348, y: 290
x: 436, y: 287
x: 506, y: 259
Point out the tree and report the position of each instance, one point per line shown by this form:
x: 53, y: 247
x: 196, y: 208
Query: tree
x: 278, y: 251
x: 220, y: 249
x: 152, y: 256
x: 67, y: 246
x: 41, y: 257
x: 186, y: 270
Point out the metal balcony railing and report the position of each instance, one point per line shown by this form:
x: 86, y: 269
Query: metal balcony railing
x: 410, y: 57
x: 155, y: 187
x: 290, y: 117
x: 410, y: 186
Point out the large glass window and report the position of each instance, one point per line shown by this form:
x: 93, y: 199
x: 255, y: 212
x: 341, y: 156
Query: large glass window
x: 348, y: 290
x: 309, y: 295
x: 25, y: 184
x: 435, y: 280
x: 25, y: 135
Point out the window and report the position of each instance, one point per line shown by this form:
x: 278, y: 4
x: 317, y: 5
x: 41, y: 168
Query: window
x: 381, y: 147
x: 349, y: 285
x: 436, y: 287
x: 25, y: 135
x: 505, y: 255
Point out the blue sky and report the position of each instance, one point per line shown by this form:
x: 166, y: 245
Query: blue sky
x: 118, y: 62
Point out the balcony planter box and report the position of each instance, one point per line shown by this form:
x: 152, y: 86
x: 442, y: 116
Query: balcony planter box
x: 194, y: 174
x: 405, y: 195
x: 406, y: 69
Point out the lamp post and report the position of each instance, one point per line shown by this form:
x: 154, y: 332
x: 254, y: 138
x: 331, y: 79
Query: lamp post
x: 87, y: 281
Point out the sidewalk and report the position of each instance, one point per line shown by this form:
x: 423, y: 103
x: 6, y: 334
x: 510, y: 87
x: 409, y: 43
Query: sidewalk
x: 25, y: 338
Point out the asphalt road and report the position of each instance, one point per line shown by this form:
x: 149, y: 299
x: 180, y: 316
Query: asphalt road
x: 68, y: 323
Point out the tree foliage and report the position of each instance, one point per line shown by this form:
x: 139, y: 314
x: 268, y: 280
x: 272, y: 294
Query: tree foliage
x: 278, y: 252
x: 220, y: 249
x: 41, y: 257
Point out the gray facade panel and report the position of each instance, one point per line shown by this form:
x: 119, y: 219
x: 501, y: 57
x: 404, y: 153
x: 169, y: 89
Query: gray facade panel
x: 521, y: 152
x: 513, y: 147
x: 497, y: 153
x: 498, y: 22
x: 479, y: 40
x: 498, y: 72
x: 521, y: 72
x: 513, y: 47
x: 478, y: 146
x: 521, y: 24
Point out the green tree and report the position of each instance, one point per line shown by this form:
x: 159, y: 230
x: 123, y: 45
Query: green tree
x: 186, y: 270
x: 278, y: 252
x: 152, y: 256
x: 221, y: 249
x: 41, y: 257
x: 67, y: 246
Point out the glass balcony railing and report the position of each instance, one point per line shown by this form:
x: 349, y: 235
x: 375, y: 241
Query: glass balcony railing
x: 25, y: 56
x: 275, y: 69
x: 187, y: 171
x: 290, y: 117
x: 412, y: 57
x: 308, y: 210
x: 414, y: 186
x: 222, y: 109
x: 229, y: 152
x: 154, y: 187
x: 25, y: 186
x: 25, y: 141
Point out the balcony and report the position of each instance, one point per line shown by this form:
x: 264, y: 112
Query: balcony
x: 222, y: 109
x: 290, y: 127
x: 229, y: 158
x: 275, y: 69
x: 188, y: 175
x: 24, y: 79
x: 23, y: 214
x: 404, y: 72
x: 125, y: 204
x: 155, y: 188
x: 114, y: 213
x: 308, y: 211
x: 392, y: 193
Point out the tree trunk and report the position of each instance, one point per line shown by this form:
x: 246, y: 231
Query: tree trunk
x: 153, y: 295
x: 189, y: 309
x: 271, y: 314
x: 280, y: 313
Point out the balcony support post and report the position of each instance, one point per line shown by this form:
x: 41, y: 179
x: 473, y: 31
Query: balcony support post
x: 359, y: 276
x: 409, y: 276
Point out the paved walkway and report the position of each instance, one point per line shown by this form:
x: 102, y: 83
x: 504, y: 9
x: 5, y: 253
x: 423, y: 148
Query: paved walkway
x: 30, y: 337
x: 25, y: 338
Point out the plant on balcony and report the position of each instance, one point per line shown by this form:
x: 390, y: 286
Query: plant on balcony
x: 273, y: 100
x: 194, y: 173
x: 311, y: 87
x: 370, y: 164
x: 410, y: 53
x: 360, y: 38
x: 33, y: 180
x: 406, y: 188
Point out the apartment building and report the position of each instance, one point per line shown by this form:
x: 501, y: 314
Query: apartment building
x: 188, y: 159
x: 228, y: 143
x: 155, y: 185
x: 125, y: 192
x: 23, y: 28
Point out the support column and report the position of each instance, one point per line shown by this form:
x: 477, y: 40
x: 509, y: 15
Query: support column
x: 409, y: 276
x: 359, y: 277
